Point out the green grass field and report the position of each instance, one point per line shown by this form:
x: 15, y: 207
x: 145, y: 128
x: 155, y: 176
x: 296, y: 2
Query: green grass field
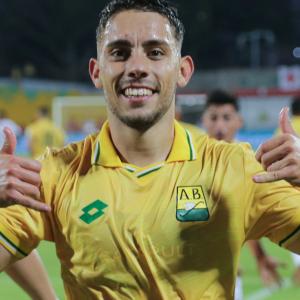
x: 253, y: 289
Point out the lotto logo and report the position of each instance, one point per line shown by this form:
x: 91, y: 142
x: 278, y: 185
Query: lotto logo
x: 93, y: 211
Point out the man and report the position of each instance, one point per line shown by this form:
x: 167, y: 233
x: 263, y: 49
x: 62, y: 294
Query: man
x: 43, y: 133
x: 143, y: 211
x: 222, y: 120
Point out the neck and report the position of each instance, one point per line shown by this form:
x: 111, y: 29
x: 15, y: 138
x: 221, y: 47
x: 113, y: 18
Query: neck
x: 143, y: 148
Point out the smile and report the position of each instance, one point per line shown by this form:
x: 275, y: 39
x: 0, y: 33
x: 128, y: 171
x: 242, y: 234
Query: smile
x: 133, y: 92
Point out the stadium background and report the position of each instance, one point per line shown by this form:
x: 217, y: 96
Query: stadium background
x: 251, y: 49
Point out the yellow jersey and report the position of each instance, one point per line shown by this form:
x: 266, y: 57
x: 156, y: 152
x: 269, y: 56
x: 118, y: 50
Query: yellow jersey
x: 44, y: 133
x: 193, y: 129
x: 171, y: 230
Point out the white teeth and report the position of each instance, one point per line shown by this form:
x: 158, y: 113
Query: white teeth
x: 131, y: 92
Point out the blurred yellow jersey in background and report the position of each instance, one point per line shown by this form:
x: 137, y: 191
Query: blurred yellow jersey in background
x: 43, y: 133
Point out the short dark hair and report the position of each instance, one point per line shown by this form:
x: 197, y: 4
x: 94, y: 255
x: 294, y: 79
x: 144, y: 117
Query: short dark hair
x: 220, y: 97
x: 295, y: 107
x: 162, y: 7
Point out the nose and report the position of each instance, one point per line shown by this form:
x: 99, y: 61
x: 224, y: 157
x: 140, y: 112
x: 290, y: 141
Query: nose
x: 220, y: 125
x: 137, y: 66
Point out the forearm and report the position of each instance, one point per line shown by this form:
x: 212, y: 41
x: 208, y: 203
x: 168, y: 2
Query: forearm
x: 267, y: 266
x: 30, y: 274
x: 257, y: 250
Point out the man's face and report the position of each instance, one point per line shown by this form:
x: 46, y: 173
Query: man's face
x: 138, y: 66
x: 222, y: 122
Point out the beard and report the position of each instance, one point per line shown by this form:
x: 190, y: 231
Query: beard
x: 141, y: 122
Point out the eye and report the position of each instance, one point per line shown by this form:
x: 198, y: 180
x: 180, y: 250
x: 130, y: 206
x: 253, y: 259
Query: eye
x: 119, y: 54
x: 227, y: 117
x: 156, y: 53
x: 213, y: 118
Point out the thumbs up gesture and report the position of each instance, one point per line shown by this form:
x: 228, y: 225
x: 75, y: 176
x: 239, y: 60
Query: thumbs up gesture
x: 19, y: 177
x: 280, y: 156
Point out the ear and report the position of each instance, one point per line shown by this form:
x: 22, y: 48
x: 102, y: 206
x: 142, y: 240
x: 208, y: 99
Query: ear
x: 94, y: 71
x: 186, y: 71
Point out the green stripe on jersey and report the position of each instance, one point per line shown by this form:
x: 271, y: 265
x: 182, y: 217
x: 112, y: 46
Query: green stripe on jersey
x: 289, y: 236
x: 11, y: 245
x: 148, y: 171
x: 192, y: 150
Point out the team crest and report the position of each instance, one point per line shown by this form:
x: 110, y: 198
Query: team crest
x: 191, y: 204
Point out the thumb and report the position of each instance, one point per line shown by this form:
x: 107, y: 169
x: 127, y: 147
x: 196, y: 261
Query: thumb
x: 10, y: 142
x: 285, y: 123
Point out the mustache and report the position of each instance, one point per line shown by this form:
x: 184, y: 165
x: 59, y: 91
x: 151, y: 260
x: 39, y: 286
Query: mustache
x: 141, y: 82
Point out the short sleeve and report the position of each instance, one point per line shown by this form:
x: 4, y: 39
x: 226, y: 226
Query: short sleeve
x: 272, y: 209
x: 21, y: 229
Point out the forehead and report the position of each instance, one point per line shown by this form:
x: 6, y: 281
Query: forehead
x: 222, y: 109
x: 134, y: 25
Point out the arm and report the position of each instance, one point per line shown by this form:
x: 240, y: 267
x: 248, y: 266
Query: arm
x: 19, y: 184
x: 266, y: 265
x: 30, y: 275
x: 6, y: 258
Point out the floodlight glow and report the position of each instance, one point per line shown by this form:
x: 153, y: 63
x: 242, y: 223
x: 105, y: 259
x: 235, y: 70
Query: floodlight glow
x: 296, y: 52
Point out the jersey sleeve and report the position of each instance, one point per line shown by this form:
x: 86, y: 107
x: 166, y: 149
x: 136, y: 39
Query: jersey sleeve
x: 21, y: 228
x: 272, y: 209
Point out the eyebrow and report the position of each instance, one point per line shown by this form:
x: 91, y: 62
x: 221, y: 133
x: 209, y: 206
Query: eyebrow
x: 155, y: 43
x: 119, y: 43
x: 122, y: 43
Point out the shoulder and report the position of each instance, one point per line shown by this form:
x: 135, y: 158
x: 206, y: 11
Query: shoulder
x: 205, y: 144
x: 193, y: 129
x: 220, y: 152
x: 74, y: 156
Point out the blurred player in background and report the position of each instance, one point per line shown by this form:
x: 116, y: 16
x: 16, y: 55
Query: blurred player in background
x: 43, y: 133
x: 221, y: 120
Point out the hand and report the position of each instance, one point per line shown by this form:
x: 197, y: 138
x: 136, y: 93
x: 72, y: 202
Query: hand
x: 280, y: 156
x: 267, y: 267
x: 19, y: 177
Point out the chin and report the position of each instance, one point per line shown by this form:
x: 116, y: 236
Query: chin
x: 141, y: 123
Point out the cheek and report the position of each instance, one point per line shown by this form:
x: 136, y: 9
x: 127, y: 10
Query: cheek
x: 169, y: 69
x: 110, y: 70
x: 211, y: 126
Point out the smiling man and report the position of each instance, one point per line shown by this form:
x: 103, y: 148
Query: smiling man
x: 145, y: 210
